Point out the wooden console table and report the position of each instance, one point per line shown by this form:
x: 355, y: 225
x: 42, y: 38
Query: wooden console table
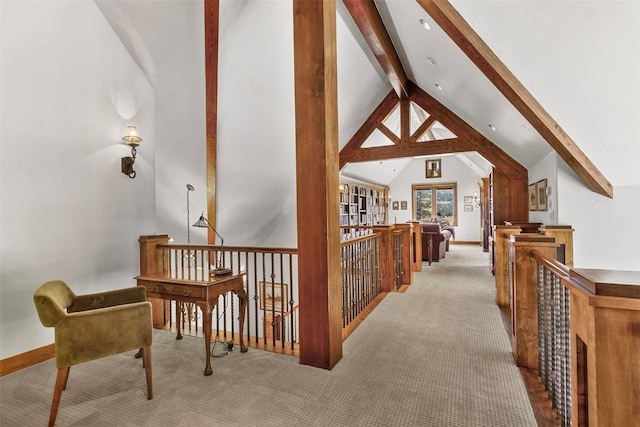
x: 204, y: 294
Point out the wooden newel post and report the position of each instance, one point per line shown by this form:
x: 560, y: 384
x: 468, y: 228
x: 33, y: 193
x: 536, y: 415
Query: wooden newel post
x: 387, y: 260
x: 524, y: 295
x: 416, y: 234
x: 605, y: 347
x: 564, y: 236
x: 150, y: 263
x: 407, y: 253
x: 501, y: 234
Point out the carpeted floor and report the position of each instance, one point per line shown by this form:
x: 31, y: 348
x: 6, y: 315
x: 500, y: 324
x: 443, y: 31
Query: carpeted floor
x: 436, y: 355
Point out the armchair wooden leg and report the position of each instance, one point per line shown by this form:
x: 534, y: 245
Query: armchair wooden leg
x: 61, y: 384
x: 147, y: 367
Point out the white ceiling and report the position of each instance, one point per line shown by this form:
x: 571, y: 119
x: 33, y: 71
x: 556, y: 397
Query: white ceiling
x: 536, y: 40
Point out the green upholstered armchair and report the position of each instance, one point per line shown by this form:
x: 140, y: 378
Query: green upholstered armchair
x: 88, y: 327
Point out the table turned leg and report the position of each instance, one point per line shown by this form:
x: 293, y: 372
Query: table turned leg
x: 179, y: 319
x: 207, y: 311
x: 242, y: 295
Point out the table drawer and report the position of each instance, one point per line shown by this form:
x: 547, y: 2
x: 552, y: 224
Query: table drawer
x: 177, y: 290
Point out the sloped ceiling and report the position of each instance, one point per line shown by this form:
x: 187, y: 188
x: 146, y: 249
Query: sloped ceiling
x: 256, y: 107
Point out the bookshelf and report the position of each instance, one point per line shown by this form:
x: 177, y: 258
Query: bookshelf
x: 361, y: 205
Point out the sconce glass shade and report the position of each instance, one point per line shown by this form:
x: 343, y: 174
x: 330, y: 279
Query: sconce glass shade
x: 132, y: 136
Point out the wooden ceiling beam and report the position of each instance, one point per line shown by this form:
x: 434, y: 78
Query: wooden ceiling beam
x: 474, y: 140
x: 453, y: 145
x: 452, y: 23
x: 382, y: 110
x: 368, y: 19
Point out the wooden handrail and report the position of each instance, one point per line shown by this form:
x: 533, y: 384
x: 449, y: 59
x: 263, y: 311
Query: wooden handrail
x: 555, y: 266
x: 359, y: 239
x: 288, y: 251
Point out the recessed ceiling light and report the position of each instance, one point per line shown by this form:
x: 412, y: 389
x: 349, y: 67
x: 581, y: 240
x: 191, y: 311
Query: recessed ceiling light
x: 433, y: 61
x: 425, y: 24
x: 492, y: 127
x: 438, y: 86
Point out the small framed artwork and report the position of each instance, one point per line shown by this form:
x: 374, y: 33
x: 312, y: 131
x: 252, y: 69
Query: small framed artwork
x: 394, y: 206
x: 468, y: 208
x: 403, y: 205
x: 533, y: 197
x: 468, y: 200
x: 541, y: 193
x: 434, y: 168
x: 273, y: 296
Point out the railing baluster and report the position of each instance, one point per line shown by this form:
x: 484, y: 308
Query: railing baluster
x: 554, y: 341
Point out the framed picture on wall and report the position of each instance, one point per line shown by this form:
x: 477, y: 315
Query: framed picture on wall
x: 533, y: 197
x: 403, y: 205
x: 468, y: 200
x: 541, y: 193
x: 468, y: 208
x: 434, y: 168
x: 394, y: 206
x: 273, y: 296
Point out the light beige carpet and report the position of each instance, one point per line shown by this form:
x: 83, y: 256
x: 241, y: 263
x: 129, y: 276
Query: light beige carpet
x: 436, y: 355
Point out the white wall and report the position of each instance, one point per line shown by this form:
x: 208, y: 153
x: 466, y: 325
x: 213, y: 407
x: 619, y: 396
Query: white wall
x: 68, y: 88
x: 607, y: 231
x: 453, y: 170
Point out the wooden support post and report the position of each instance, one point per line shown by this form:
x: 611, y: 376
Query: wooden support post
x: 314, y: 47
x: 524, y: 295
x: 407, y: 253
x: 151, y: 262
x: 501, y: 234
x: 605, y: 347
x: 387, y: 259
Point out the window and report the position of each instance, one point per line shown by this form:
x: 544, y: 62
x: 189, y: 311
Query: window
x: 435, y: 201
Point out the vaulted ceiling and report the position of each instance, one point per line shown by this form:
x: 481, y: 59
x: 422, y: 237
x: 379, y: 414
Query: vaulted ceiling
x: 438, y: 60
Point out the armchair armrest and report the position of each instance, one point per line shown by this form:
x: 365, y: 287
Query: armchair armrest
x: 92, y: 334
x: 107, y: 299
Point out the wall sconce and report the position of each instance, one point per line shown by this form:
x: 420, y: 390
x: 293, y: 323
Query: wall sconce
x: 133, y: 139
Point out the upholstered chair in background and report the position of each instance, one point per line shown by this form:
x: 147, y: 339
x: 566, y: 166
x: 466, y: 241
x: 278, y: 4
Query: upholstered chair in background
x: 89, y: 327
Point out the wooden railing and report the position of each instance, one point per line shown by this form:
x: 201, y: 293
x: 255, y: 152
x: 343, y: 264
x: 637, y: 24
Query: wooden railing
x: 361, y: 279
x: 375, y: 260
x: 271, y: 285
x: 578, y: 328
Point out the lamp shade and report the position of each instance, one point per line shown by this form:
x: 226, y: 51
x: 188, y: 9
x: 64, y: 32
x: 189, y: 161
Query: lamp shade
x: 201, y: 222
x: 132, y: 136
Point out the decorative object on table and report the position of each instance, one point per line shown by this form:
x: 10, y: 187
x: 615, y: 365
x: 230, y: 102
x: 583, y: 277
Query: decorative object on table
x: 93, y: 326
x: 395, y: 205
x: 468, y: 200
x: 468, y: 208
x: 434, y: 168
x: 132, y: 138
x: 220, y: 270
x: 533, y: 197
x: 273, y: 296
x: 541, y: 192
x: 403, y: 205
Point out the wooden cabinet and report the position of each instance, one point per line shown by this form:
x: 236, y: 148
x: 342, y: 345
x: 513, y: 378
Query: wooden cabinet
x: 362, y: 205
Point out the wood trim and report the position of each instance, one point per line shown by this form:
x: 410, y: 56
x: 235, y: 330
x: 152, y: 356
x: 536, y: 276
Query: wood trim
x: 461, y: 33
x: 211, y: 29
x: 465, y: 242
x: 26, y: 359
x: 368, y: 19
